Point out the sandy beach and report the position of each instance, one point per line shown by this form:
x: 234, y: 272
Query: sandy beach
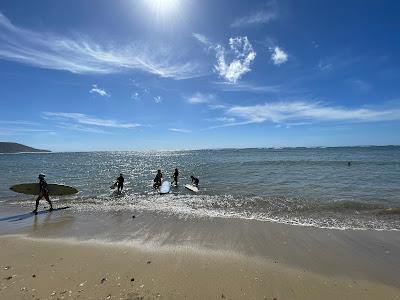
x: 43, y: 269
x: 68, y: 254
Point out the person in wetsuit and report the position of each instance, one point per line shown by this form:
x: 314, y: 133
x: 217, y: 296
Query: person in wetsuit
x: 195, y: 181
x: 175, y: 177
x: 43, y: 192
x: 120, y: 183
x: 157, y: 179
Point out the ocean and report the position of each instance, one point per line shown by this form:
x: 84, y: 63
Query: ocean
x: 298, y: 186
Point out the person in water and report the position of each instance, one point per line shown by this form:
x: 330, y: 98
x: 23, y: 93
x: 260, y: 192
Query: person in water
x: 175, y: 177
x: 195, y: 181
x: 120, y: 183
x: 43, y: 192
x: 157, y: 179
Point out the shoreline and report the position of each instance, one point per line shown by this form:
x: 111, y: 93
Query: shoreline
x: 50, y: 269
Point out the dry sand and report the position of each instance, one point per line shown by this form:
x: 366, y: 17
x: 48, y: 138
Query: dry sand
x: 60, y: 269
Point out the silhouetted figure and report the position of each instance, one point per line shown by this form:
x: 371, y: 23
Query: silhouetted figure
x: 349, y: 164
x: 43, y: 192
x: 195, y: 181
x: 157, y: 179
x: 120, y: 183
x: 175, y: 177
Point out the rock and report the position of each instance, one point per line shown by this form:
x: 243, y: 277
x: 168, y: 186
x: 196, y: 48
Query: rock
x: 8, y: 278
x: 132, y: 279
x: 7, y: 268
x: 133, y: 216
x: 149, y: 262
x: 103, y: 280
x: 223, y: 296
x: 34, y: 276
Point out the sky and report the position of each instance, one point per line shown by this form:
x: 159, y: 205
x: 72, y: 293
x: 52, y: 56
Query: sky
x: 185, y: 74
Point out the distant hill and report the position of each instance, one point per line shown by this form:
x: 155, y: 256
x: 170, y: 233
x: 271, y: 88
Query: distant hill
x: 15, y: 148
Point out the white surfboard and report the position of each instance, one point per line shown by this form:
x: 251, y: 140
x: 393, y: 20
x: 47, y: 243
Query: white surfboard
x: 192, y: 188
x: 165, y: 187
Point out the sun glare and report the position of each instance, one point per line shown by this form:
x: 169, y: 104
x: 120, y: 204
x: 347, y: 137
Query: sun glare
x: 164, y: 8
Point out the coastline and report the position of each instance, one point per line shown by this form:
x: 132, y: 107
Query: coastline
x: 56, y: 269
x: 193, y: 258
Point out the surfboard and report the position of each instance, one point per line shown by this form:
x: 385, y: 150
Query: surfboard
x: 165, y: 187
x: 54, y: 189
x: 192, y: 188
x: 114, y: 186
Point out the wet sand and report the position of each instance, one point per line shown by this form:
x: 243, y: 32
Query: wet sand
x: 40, y: 269
x: 71, y: 252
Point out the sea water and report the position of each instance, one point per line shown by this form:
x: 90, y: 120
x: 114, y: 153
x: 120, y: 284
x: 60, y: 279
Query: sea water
x: 299, y: 186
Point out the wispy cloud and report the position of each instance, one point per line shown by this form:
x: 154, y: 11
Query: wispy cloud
x: 97, y: 90
x: 181, y: 130
x: 247, y: 87
x: 243, y: 55
x: 81, y: 55
x: 84, y: 119
x: 278, y: 56
x: 157, y: 99
x: 199, y: 98
x: 283, y: 112
x: 263, y: 16
x: 234, y: 62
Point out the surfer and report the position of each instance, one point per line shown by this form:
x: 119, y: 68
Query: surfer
x: 175, y: 177
x: 120, y: 183
x: 157, y: 179
x: 195, y: 181
x: 43, y: 192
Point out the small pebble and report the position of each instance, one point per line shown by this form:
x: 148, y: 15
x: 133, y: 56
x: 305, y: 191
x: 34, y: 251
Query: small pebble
x: 33, y: 275
x: 223, y: 296
x: 148, y: 262
x: 103, y: 280
x: 133, y: 217
x: 132, y: 279
x: 7, y: 268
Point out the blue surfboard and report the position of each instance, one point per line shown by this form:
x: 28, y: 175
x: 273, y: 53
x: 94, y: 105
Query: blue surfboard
x: 165, y: 187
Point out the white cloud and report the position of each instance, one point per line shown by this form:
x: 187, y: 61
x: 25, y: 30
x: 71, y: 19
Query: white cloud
x: 234, y: 62
x: 248, y: 87
x: 225, y: 119
x: 199, y: 98
x: 96, y: 90
x: 135, y: 96
x: 283, y: 112
x: 157, y: 99
x: 260, y: 17
x: 179, y: 130
x: 81, y: 55
x: 87, y: 120
x: 243, y: 55
x: 278, y: 56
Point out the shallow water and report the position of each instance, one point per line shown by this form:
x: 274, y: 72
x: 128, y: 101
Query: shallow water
x: 304, y: 186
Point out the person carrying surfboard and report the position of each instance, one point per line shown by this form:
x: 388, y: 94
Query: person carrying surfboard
x: 157, y: 179
x: 43, y: 192
x: 175, y: 177
x: 195, y: 181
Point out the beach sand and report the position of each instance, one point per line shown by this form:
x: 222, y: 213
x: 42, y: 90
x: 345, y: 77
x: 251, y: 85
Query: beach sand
x: 72, y: 254
x: 53, y: 269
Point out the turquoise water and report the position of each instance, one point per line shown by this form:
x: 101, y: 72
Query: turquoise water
x: 301, y: 186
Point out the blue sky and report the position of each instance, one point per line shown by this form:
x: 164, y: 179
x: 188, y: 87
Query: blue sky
x: 184, y: 74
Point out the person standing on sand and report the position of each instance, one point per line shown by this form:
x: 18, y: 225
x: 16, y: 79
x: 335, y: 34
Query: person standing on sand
x: 120, y: 183
x: 43, y: 192
x: 175, y: 177
x: 157, y: 179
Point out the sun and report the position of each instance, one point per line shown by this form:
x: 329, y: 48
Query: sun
x: 164, y: 8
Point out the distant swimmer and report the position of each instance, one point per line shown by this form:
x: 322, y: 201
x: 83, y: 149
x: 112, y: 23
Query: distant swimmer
x: 175, y: 177
x: 43, y: 192
x: 195, y: 181
x: 349, y: 164
x: 157, y: 179
x: 120, y: 183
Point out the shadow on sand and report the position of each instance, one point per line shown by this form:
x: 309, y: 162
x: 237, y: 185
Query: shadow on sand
x: 30, y: 214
